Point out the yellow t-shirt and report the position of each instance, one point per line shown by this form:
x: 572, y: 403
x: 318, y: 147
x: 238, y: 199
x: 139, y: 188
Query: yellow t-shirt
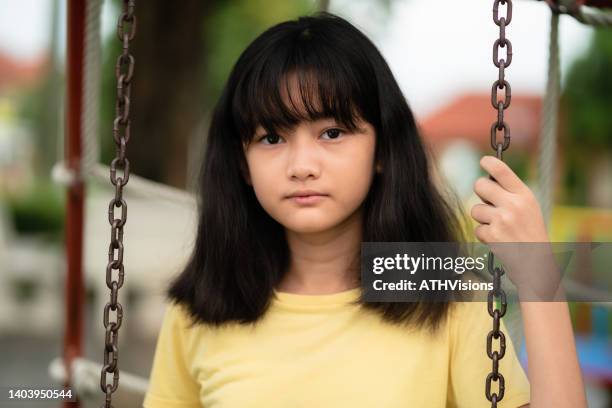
x: 318, y: 351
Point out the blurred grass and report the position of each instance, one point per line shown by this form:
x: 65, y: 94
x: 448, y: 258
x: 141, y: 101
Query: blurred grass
x: 39, y: 210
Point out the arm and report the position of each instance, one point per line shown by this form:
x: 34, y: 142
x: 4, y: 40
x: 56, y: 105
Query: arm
x: 511, y: 214
x: 554, y: 371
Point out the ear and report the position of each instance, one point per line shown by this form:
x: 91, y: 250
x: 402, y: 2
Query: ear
x: 379, y: 168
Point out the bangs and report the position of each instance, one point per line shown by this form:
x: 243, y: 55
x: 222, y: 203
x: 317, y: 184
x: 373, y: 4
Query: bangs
x: 297, y: 83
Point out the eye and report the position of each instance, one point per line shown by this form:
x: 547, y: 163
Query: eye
x: 272, y: 138
x: 333, y: 133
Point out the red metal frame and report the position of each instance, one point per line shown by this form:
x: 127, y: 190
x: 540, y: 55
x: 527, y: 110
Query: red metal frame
x: 75, y: 193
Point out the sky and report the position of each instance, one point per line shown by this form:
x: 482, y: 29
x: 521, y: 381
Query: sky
x: 435, y: 51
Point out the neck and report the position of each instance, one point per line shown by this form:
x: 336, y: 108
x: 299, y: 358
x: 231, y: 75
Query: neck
x: 324, y: 262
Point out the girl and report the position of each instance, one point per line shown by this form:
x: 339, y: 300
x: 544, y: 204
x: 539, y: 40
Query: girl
x: 312, y: 149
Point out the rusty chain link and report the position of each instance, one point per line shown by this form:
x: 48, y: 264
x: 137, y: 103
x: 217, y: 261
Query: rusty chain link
x: 124, y: 70
x: 497, y: 272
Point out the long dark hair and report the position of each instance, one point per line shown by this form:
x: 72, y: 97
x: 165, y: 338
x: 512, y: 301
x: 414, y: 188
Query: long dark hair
x: 241, y: 253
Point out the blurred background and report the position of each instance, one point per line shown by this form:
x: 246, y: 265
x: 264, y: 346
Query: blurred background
x: 441, y: 57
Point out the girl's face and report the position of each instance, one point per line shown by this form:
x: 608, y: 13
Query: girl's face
x: 322, y: 156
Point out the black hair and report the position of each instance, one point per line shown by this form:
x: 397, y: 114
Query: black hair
x: 240, y: 252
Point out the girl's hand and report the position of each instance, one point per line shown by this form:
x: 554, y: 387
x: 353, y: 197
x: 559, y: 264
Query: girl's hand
x: 511, y: 215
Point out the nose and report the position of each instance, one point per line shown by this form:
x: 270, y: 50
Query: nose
x: 303, y: 160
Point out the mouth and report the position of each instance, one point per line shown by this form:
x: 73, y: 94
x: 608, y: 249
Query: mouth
x: 308, y: 199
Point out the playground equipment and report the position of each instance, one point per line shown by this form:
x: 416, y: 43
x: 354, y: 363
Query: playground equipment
x: 82, y: 164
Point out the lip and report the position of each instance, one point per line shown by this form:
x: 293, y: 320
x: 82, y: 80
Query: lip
x: 309, y: 199
x: 306, y: 197
x: 306, y: 193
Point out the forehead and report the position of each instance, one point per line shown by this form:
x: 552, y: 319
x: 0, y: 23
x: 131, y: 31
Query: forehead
x: 278, y: 98
x: 301, y: 96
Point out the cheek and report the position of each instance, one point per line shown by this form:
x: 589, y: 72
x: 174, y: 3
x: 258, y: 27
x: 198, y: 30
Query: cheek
x: 265, y: 177
x: 353, y: 173
x: 265, y: 183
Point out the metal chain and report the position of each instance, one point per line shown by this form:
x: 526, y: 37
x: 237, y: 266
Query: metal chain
x: 497, y: 272
x: 124, y: 70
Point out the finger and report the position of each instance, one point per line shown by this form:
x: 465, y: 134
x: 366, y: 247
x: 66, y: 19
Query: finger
x: 489, y: 191
x: 483, y: 233
x: 483, y: 213
x: 503, y: 174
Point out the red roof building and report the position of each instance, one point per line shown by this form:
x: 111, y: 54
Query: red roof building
x: 18, y: 73
x: 470, y: 117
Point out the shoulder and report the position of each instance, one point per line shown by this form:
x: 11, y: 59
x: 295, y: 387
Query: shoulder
x: 469, y: 319
x: 183, y: 332
x: 470, y: 314
x: 174, y: 312
x: 178, y: 319
x: 471, y: 325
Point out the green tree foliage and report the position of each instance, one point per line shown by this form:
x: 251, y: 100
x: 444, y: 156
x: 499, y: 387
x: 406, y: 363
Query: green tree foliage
x: 588, y: 95
x: 587, y: 101
x: 233, y: 26
x: 40, y: 210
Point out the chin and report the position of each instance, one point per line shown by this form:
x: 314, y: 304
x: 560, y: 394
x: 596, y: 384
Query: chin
x: 308, y: 225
